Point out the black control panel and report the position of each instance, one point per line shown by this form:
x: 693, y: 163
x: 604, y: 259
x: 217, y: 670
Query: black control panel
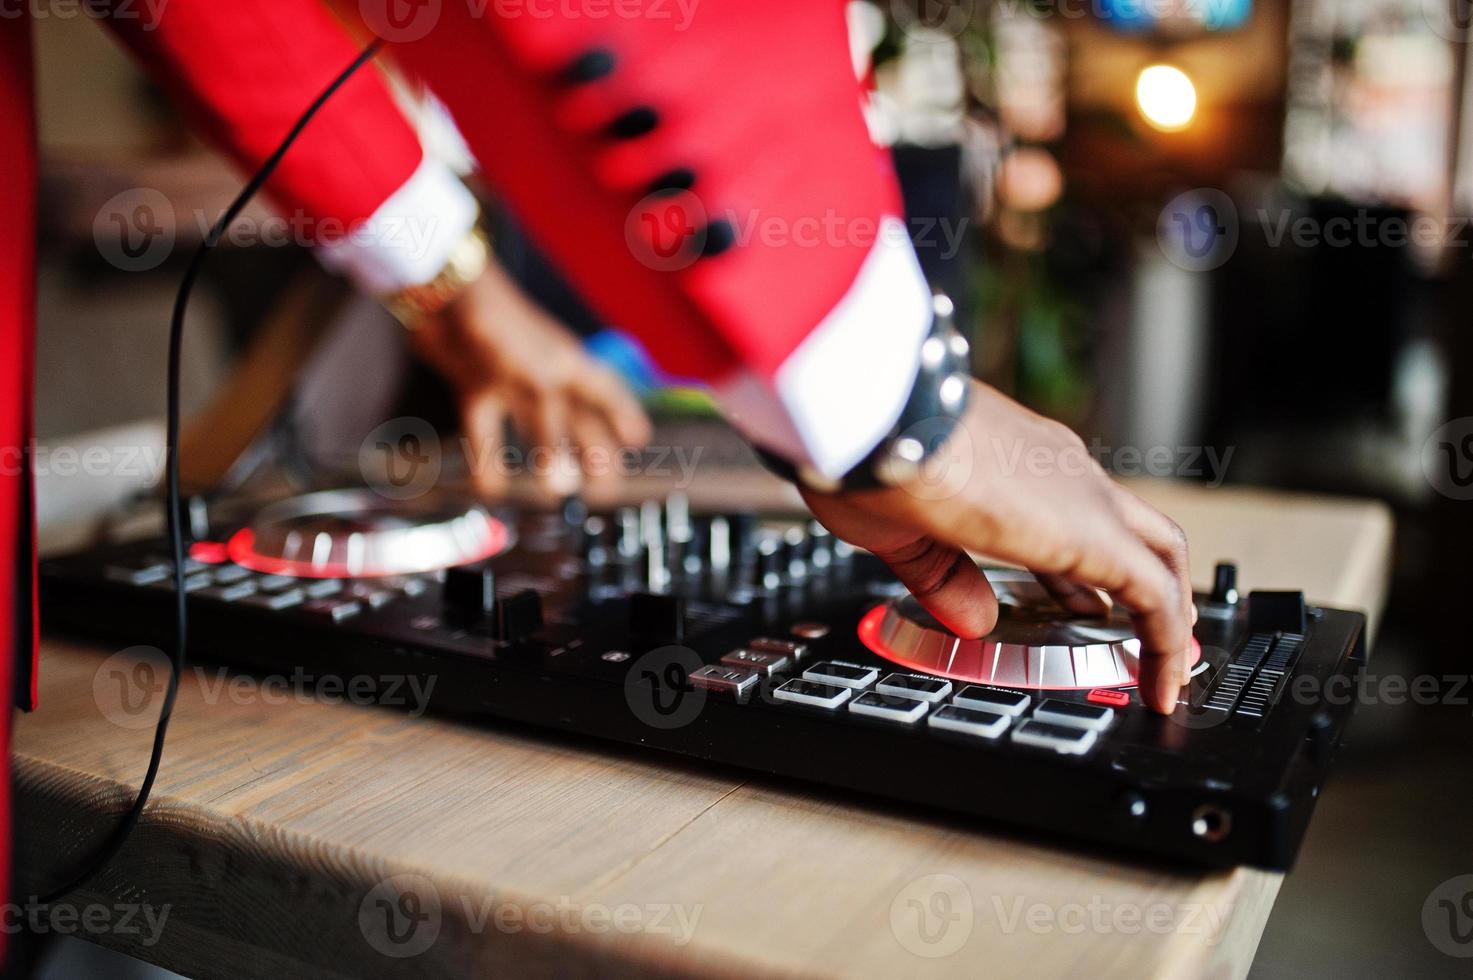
x: 771, y: 646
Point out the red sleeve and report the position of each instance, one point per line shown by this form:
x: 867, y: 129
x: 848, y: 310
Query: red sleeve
x: 244, y: 70
x: 703, y: 173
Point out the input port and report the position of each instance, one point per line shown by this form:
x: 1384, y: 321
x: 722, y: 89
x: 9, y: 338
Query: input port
x: 1211, y: 823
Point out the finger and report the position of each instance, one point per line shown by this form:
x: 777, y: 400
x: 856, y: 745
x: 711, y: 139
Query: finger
x: 943, y: 578
x: 1161, y: 534
x: 607, y: 392
x: 484, y: 418
x: 545, y: 426
x: 1105, y: 554
x: 598, y: 445
x: 1164, y: 537
x: 1081, y: 600
x: 947, y: 583
x: 1111, y: 557
x: 1149, y: 590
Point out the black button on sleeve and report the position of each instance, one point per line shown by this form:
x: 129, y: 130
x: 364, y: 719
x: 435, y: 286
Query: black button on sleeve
x: 589, y: 66
x: 634, y: 123
x: 672, y: 181
x: 716, y: 238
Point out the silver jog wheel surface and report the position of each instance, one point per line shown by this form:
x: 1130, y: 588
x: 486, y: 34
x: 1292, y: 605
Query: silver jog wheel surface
x: 357, y: 533
x: 1036, y: 644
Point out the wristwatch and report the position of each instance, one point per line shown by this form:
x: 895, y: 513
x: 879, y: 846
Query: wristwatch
x: 938, y: 398
x: 466, y: 263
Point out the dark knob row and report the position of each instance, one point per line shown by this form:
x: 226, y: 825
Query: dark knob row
x: 470, y: 596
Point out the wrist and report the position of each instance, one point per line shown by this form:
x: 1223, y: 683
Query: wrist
x: 464, y: 266
x: 937, y: 400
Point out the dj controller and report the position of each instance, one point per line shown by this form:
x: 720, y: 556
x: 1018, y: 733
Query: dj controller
x: 764, y: 644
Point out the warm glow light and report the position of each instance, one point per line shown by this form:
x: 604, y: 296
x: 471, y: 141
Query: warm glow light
x: 1166, y: 96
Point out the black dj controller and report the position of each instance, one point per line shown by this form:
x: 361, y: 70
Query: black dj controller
x: 764, y: 644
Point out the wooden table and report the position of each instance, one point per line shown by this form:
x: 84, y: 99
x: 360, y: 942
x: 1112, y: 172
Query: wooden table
x: 274, y: 827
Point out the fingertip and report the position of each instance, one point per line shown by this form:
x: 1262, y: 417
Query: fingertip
x: 967, y: 605
x: 638, y: 430
x: 1161, y: 682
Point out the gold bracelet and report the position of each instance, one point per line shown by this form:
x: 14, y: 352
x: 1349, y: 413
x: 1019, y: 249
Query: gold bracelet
x: 465, y: 264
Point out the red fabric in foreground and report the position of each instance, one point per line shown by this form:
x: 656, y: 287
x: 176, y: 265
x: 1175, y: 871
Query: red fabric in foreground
x: 17, y: 299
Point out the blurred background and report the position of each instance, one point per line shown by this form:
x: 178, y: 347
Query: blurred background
x: 1236, y: 229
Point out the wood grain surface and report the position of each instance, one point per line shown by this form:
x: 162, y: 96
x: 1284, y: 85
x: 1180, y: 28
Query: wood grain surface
x: 285, y: 836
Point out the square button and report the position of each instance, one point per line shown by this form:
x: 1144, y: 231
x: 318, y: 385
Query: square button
x: 737, y: 682
x: 1075, y: 715
x: 785, y: 648
x: 336, y: 610
x: 969, y: 721
x: 276, y: 600
x: 992, y: 699
x: 193, y: 583
x: 323, y: 587
x: 915, y: 686
x: 906, y: 711
x: 230, y: 574
x: 765, y: 664
x: 812, y: 693
x: 142, y: 575
x: 842, y: 674
x: 230, y: 593
x: 1061, y: 738
x: 372, y: 595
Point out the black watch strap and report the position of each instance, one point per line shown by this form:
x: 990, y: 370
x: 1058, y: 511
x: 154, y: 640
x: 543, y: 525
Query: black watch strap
x: 937, y: 399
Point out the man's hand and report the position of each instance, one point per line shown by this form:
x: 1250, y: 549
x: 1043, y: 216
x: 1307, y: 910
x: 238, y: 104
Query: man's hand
x: 1021, y: 488
x: 509, y: 360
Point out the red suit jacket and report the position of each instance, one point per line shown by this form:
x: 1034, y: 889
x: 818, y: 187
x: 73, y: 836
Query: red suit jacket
x: 701, y: 171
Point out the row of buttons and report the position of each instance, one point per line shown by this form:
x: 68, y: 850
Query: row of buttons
x: 739, y: 671
x: 331, y: 599
x: 1062, y: 726
x: 983, y: 712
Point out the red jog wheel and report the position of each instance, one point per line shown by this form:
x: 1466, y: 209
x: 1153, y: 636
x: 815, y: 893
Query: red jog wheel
x: 358, y: 534
x: 1035, y: 644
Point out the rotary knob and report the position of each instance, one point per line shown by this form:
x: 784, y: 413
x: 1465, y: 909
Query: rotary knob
x: 470, y: 591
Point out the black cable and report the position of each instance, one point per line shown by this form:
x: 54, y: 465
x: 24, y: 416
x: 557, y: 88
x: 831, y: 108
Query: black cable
x: 114, y: 842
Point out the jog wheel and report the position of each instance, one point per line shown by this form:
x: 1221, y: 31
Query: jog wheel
x: 1036, y: 644
x: 359, y: 534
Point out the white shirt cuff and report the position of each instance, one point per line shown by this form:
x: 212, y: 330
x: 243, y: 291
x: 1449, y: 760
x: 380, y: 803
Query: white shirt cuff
x: 409, y: 238
x: 837, y: 395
